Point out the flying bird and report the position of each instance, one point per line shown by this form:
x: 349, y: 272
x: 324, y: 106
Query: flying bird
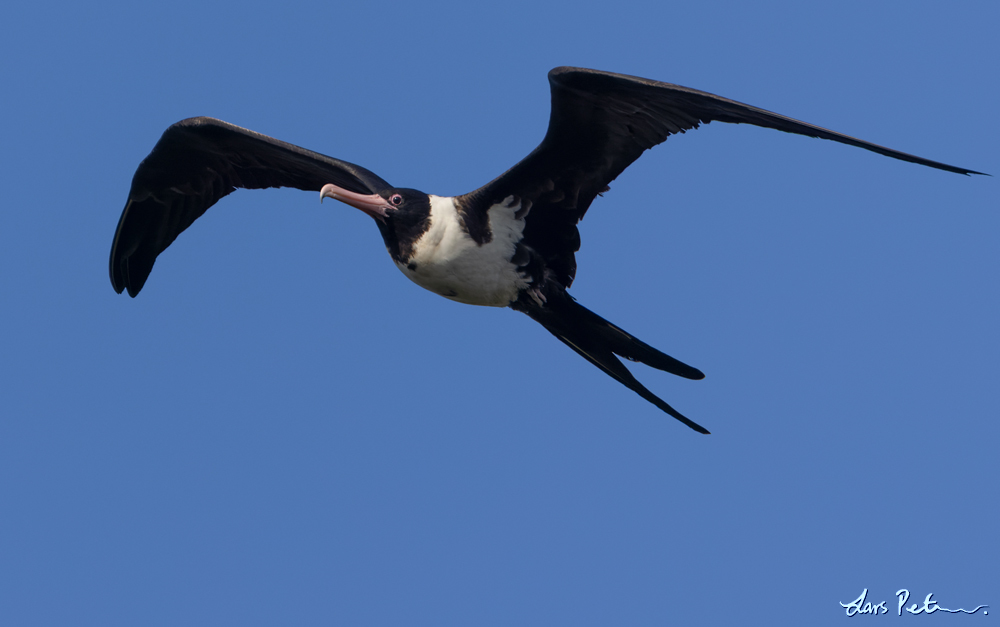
x: 510, y: 243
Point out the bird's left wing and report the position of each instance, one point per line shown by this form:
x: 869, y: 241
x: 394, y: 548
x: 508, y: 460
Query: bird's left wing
x: 198, y: 161
x: 599, y: 124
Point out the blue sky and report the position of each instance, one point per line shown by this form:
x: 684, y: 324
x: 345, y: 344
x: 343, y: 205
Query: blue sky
x: 281, y: 429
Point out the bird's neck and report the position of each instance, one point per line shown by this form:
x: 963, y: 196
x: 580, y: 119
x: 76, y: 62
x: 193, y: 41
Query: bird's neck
x: 404, y: 229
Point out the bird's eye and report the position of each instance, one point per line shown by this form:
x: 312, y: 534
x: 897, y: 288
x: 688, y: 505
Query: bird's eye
x: 396, y: 199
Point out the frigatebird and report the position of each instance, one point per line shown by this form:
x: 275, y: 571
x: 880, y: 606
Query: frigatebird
x: 510, y: 243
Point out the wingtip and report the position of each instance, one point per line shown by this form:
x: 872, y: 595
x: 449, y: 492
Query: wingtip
x: 117, y: 281
x: 120, y: 287
x: 127, y: 279
x: 134, y: 283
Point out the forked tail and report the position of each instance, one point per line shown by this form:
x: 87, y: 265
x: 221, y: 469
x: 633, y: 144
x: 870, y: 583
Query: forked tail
x: 598, y: 341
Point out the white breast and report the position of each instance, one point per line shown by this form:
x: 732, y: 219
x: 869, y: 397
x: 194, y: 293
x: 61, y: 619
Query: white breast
x: 448, y: 262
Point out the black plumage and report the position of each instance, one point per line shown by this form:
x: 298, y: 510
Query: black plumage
x: 599, y: 124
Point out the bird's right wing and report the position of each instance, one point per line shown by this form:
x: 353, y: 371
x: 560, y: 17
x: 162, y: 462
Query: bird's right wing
x: 198, y: 161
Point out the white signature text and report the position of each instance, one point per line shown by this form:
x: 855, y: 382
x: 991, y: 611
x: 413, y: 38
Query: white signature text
x: 861, y: 605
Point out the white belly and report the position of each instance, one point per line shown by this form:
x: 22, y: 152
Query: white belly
x: 448, y: 262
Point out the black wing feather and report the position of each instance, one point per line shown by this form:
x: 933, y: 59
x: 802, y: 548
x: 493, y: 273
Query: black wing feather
x: 600, y: 123
x: 198, y: 161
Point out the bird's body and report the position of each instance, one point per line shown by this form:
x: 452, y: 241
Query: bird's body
x: 510, y: 243
x: 447, y: 261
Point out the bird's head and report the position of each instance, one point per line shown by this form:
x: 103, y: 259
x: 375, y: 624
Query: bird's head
x: 382, y: 206
x: 401, y: 214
